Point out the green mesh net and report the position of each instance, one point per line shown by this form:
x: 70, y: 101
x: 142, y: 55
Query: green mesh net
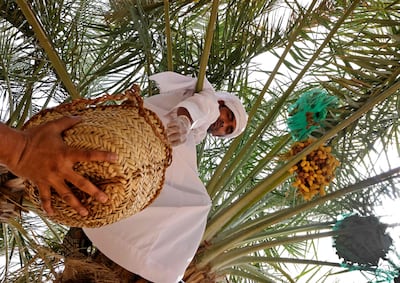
x: 309, y: 112
x: 363, y: 244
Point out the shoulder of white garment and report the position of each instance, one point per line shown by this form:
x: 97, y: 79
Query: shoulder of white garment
x: 171, y: 82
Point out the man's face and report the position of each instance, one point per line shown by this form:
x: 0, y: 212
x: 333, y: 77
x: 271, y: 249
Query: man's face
x: 225, y: 123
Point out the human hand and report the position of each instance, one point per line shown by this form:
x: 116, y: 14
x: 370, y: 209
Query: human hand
x: 47, y: 161
x: 178, y: 129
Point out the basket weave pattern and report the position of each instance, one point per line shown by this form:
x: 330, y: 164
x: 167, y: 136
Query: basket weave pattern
x: 120, y: 124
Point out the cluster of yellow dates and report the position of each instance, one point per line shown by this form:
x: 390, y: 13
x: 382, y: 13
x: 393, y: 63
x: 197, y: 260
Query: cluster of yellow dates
x: 315, y: 171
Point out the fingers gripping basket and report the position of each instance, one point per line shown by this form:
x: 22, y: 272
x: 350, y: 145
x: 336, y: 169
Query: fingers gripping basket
x: 120, y: 124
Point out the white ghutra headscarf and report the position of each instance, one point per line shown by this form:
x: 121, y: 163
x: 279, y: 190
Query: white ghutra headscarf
x: 235, y: 105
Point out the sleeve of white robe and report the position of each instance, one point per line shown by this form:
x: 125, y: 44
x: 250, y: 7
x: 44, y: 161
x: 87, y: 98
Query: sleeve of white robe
x: 170, y: 82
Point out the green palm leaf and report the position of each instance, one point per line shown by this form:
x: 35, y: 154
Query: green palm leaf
x: 258, y: 225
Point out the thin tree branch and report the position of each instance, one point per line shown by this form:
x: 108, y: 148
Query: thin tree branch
x: 168, y: 36
x: 46, y: 44
x: 207, y: 46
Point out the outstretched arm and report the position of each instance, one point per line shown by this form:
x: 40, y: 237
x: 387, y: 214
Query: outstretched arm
x: 40, y: 155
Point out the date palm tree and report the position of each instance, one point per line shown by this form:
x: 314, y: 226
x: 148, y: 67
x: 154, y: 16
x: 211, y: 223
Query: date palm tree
x: 52, y: 51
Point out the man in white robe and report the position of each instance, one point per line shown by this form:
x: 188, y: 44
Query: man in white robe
x: 159, y: 242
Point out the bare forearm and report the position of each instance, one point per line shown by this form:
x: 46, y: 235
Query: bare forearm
x: 11, y: 144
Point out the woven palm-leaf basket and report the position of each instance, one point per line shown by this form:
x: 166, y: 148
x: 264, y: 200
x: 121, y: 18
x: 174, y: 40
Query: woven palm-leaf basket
x: 116, y: 123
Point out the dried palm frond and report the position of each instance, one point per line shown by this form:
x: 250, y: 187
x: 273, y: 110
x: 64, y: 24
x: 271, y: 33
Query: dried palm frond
x: 11, y: 195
